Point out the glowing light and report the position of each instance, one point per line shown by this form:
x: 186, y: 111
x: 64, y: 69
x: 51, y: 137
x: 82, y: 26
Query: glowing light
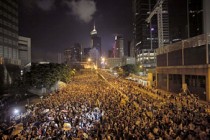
x: 89, y: 59
x: 102, y: 59
x: 16, y: 111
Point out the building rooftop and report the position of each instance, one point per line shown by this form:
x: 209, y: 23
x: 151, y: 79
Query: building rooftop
x: 196, y: 41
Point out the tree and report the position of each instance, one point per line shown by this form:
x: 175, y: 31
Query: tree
x: 130, y: 68
x: 126, y: 69
x: 45, y: 75
x: 65, y: 74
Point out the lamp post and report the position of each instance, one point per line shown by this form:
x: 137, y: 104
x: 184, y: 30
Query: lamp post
x: 142, y: 69
x: 15, y: 113
x: 89, y: 62
x: 103, y: 62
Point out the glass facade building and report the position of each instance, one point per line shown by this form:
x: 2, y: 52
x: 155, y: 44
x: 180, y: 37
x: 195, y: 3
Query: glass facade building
x: 146, y: 34
x: 9, y: 31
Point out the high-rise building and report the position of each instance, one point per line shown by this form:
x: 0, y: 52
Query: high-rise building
x: 85, y: 55
x: 195, y: 17
x: 142, y: 30
x: 95, y: 40
x: 131, y: 48
x: 9, y: 58
x: 206, y: 17
x: 73, y: 54
x: 177, y: 20
x: 146, y: 34
x: 119, y: 46
x: 24, y: 50
x: 184, y: 64
x: 9, y: 31
x: 198, y: 17
x: 110, y: 53
x: 95, y: 51
x: 188, y: 18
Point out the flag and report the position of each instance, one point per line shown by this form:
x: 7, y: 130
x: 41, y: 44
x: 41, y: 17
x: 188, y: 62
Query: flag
x: 98, y: 103
x: 122, y: 102
x: 136, y: 105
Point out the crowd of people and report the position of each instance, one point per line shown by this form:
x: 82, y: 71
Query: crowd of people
x: 98, y: 106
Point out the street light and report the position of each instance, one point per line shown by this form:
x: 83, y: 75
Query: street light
x: 89, y: 59
x: 89, y: 62
x: 102, y: 59
x: 103, y: 62
x: 16, y: 111
x: 14, y: 114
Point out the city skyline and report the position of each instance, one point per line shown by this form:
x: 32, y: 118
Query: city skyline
x: 56, y: 25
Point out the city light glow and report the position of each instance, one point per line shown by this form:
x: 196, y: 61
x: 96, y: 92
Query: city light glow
x: 16, y: 111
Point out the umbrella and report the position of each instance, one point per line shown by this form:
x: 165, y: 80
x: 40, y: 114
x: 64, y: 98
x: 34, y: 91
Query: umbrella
x: 64, y: 111
x: 138, y: 122
x: 50, y: 118
x: 85, y: 135
x: 45, y: 111
x: 66, y: 126
x: 18, y: 129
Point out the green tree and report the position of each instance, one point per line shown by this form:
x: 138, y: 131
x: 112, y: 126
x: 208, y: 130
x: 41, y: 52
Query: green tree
x: 45, y: 75
x: 130, y: 68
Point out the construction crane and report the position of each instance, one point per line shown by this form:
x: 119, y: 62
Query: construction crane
x: 159, y: 11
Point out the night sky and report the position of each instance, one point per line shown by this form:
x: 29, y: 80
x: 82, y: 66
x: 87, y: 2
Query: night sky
x: 54, y: 25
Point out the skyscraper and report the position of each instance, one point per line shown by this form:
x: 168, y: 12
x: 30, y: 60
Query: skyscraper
x: 119, y: 46
x: 188, y: 18
x: 177, y: 20
x: 95, y: 40
x: 195, y: 17
x: 73, y: 54
x: 146, y: 34
x: 206, y: 10
x: 9, y: 58
x: 143, y: 30
x: 184, y: 64
x: 9, y: 31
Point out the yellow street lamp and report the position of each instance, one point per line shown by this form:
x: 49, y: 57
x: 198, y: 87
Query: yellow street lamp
x: 103, y: 59
x: 89, y: 59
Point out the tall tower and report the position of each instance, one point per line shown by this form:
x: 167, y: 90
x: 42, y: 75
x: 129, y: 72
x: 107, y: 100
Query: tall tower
x: 198, y: 17
x: 119, y: 46
x: 9, y: 31
x: 206, y: 4
x: 95, y: 39
x: 188, y: 18
x: 73, y: 54
x: 146, y: 34
x: 9, y: 58
x: 195, y: 17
